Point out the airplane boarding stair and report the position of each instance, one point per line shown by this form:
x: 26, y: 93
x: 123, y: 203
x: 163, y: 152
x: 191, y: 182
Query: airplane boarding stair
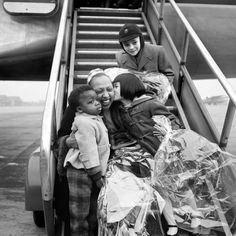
x: 95, y: 36
x: 96, y: 41
x: 92, y: 43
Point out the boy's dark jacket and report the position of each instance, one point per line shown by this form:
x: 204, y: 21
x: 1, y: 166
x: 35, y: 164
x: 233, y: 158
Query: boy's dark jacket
x: 152, y: 58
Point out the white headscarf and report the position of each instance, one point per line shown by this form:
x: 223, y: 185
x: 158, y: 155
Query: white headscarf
x: 94, y: 73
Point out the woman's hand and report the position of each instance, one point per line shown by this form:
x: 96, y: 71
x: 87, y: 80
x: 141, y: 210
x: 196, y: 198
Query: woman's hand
x: 71, y: 141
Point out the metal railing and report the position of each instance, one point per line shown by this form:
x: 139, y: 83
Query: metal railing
x: 190, y: 33
x: 53, y: 111
x: 181, y: 59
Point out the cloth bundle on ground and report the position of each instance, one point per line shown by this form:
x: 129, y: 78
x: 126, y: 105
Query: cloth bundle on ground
x: 199, y: 178
x: 154, y: 82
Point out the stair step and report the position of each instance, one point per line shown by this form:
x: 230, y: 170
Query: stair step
x: 80, y: 80
x: 99, y: 54
x: 97, y: 38
x: 104, y: 27
x: 81, y: 75
x: 102, y: 35
x: 82, y: 43
x: 109, y: 19
x: 100, y: 44
x: 108, y: 12
x: 92, y: 64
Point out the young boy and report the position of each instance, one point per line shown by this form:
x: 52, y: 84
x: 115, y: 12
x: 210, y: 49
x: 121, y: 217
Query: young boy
x: 140, y: 56
x: 87, y: 165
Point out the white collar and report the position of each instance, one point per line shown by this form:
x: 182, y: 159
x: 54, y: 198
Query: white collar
x: 97, y: 117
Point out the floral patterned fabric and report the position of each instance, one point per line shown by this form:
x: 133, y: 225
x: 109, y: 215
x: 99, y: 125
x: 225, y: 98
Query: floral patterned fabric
x: 128, y: 204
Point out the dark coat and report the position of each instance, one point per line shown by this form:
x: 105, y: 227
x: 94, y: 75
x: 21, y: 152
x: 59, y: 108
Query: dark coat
x: 152, y: 58
x: 137, y: 121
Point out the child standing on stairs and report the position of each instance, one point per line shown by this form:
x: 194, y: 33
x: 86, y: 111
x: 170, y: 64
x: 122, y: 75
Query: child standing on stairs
x: 86, y: 165
x: 136, y: 110
x: 140, y: 56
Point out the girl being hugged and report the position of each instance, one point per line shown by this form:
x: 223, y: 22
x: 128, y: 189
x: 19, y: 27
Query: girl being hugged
x: 136, y: 109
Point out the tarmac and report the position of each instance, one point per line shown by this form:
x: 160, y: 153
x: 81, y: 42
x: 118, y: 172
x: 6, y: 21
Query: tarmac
x: 19, y: 137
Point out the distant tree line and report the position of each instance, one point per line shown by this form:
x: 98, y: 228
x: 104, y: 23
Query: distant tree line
x: 16, y: 101
x: 216, y: 99
x: 10, y: 101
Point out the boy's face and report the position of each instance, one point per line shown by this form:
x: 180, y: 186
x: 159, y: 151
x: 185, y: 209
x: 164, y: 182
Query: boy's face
x: 116, y: 87
x: 89, y: 103
x: 132, y: 46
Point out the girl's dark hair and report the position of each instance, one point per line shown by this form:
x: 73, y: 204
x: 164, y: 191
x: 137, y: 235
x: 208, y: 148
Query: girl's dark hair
x: 130, y: 86
x: 75, y: 96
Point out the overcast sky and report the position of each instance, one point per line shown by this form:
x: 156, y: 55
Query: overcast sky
x: 208, y: 88
x: 27, y: 91
x: 35, y: 91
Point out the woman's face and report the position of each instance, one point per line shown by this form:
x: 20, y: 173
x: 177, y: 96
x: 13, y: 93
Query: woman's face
x: 104, y: 89
x: 132, y: 46
x: 116, y: 87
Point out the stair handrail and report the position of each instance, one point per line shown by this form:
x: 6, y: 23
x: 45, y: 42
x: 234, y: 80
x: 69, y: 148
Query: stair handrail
x: 205, y: 53
x: 53, y: 112
x: 48, y: 132
x: 212, y: 64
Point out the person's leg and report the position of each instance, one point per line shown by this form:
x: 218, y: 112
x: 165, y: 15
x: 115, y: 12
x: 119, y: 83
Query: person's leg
x: 80, y: 186
x: 189, y: 199
x: 61, y: 190
x: 169, y: 216
x: 92, y: 219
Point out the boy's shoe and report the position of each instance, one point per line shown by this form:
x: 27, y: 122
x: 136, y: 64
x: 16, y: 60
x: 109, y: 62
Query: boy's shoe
x: 172, y: 230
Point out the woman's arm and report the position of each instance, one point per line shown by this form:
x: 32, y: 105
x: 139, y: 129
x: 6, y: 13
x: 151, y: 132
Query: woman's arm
x: 65, y: 128
x: 66, y: 122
